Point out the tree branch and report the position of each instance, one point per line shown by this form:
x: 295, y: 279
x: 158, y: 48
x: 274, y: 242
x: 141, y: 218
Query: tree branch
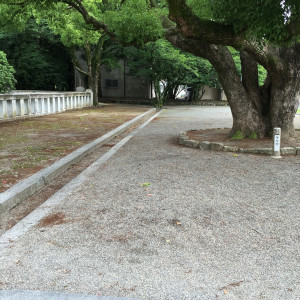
x: 205, y: 31
x: 76, y: 63
x: 194, y: 27
x: 98, y: 25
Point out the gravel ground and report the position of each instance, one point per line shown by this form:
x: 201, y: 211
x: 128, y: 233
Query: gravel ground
x: 160, y: 221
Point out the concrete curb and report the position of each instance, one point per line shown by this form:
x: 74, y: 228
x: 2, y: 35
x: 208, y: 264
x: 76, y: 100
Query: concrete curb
x: 185, y: 141
x: 41, y: 295
x: 30, y: 185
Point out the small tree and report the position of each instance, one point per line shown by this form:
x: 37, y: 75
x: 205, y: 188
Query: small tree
x: 84, y: 43
x: 168, y: 68
x: 7, y: 79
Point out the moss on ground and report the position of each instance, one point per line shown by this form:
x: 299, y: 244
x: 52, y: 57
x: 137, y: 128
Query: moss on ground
x: 253, y: 135
x: 239, y: 135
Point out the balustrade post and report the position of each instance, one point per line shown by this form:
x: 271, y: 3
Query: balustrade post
x: 58, y: 104
x: 43, y: 105
x: 29, y: 106
x: 36, y: 106
x: 68, y: 102
x: 90, y: 95
x: 53, y: 105
x: 75, y: 101
x: 3, y: 110
x: 13, y: 108
x: 5, y: 113
x: 22, y: 107
x: 62, y: 101
x: 48, y: 106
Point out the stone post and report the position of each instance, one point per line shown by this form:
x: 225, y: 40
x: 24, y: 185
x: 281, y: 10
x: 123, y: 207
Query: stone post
x: 276, y: 142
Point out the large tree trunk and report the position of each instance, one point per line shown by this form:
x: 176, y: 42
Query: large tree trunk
x: 284, y: 90
x: 247, y: 118
x: 255, y: 110
x: 94, y: 86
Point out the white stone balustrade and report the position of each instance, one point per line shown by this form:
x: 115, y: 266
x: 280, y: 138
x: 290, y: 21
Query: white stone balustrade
x: 26, y: 104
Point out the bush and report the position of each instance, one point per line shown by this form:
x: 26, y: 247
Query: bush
x: 7, y: 79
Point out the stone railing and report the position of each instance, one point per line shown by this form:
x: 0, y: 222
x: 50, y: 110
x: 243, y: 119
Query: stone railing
x: 30, y: 103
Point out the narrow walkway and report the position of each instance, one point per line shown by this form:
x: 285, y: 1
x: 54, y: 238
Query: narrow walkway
x: 160, y: 221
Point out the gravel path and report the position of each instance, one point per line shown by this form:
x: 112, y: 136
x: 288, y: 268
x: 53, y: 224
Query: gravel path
x: 160, y: 221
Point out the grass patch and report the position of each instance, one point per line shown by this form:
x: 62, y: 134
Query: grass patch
x: 253, y: 135
x: 6, y: 172
x: 12, y: 139
x: 239, y: 135
x: 22, y: 165
x: 34, y: 149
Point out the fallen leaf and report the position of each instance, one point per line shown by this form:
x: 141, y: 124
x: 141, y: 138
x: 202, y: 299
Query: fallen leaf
x: 146, y: 184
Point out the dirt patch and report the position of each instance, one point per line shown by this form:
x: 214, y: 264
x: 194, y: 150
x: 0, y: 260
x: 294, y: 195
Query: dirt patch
x: 221, y: 135
x: 31, y: 144
x: 53, y: 219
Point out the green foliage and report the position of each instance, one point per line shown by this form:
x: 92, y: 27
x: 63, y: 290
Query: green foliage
x: 40, y: 60
x: 262, y: 74
x: 239, y: 135
x: 7, y: 80
x: 135, y: 23
x: 164, y: 64
x: 202, y: 8
x: 265, y: 20
x: 13, y: 16
x: 69, y: 25
x: 253, y: 135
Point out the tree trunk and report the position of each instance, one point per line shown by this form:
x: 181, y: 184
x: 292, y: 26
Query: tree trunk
x: 96, y: 92
x: 284, y: 91
x: 247, y: 117
x: 100, y: 86
x: 255, y: 110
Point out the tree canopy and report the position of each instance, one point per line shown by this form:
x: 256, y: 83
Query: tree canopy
x: 39, y: 58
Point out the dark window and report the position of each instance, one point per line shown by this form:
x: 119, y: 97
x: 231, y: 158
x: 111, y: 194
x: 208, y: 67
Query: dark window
x: 112, y: 83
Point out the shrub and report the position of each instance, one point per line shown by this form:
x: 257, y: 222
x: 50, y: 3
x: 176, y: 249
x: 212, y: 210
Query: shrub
x: 7, y: 79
